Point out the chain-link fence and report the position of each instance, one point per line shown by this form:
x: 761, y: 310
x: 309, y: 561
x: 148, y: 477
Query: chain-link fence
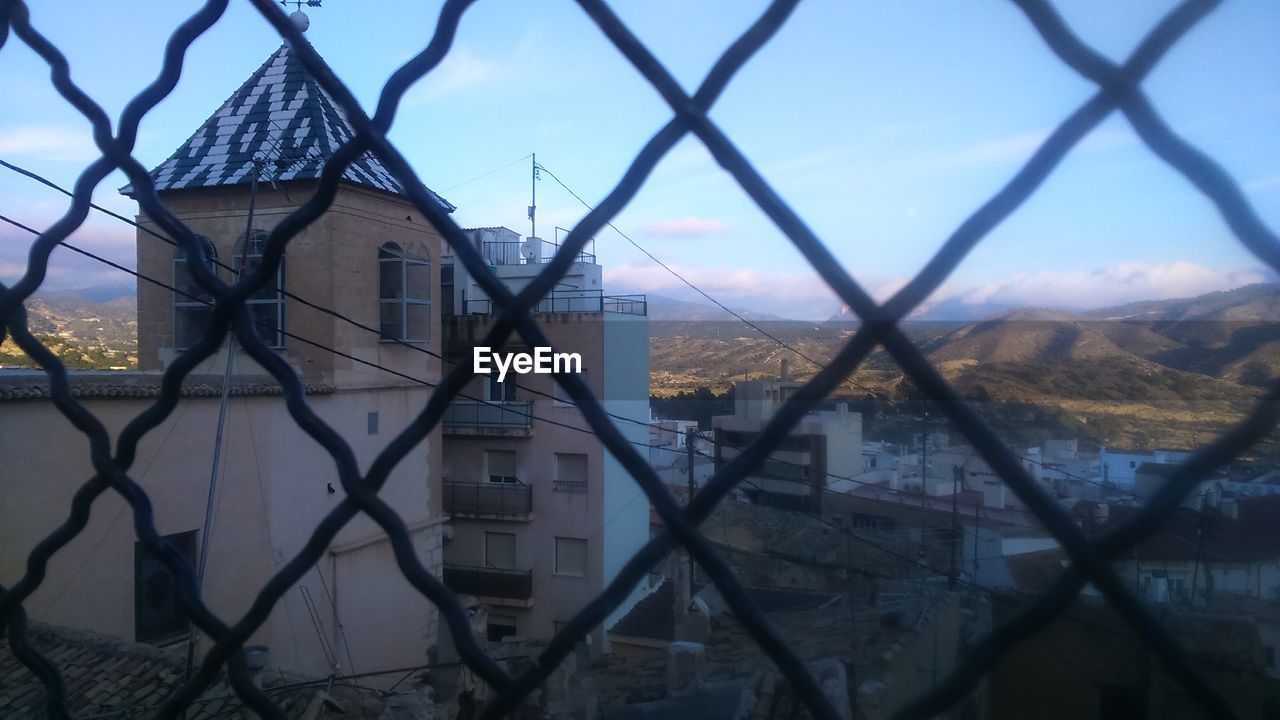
x: 1118, y: 89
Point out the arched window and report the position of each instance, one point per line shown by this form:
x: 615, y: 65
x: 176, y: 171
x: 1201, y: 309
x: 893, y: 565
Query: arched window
x: 267, y: 304
x: 404, y: 294
x: 191, y: 307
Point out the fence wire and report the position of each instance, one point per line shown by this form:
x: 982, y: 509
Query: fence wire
x: 1119, y: 88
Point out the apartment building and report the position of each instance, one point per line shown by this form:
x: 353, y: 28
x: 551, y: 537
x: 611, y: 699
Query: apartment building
x: 824, y: 446
x: 371, y: 257
x: 541, y: 517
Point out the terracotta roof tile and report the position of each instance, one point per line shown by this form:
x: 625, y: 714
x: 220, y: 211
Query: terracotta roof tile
x: 103, y: 674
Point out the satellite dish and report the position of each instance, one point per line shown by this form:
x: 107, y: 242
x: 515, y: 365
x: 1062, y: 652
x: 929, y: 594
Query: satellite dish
x: 531, y: 250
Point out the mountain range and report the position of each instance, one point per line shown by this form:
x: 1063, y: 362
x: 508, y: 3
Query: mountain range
x: 1184, y: 362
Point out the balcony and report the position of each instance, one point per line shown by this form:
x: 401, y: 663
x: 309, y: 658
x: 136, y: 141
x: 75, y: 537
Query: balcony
x: 483, y: 582
x: 572, y: 301
x: 526, y: 252
x: 507, y: 501
x: 509, y: 418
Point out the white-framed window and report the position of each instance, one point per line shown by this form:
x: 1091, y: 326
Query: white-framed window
x: 191, y: 310
x: 266, y: 306
x: 571, y: 556
x: 404, y: 294
x: 500, y: 550
x: 500, y: 466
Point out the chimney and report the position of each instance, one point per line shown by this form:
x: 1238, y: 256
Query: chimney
x: 784, y: 366
x: 1229, y: 508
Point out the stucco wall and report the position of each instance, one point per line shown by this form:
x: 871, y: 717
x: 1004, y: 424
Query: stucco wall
x: 272, y: 492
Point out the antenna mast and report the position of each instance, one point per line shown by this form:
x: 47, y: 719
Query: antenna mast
x: 533, y: 194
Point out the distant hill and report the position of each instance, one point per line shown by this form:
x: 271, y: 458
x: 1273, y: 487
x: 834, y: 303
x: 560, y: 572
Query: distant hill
x: 83, y: 332
x: 1170, y: 371
x: 662, y: 307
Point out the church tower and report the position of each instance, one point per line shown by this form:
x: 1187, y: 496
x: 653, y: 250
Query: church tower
x: 372, y: 257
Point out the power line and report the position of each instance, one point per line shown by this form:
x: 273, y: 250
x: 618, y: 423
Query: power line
x: 699, y: 290
x: 272, y: 328
x: 485, y: 175
x: 290, y: 295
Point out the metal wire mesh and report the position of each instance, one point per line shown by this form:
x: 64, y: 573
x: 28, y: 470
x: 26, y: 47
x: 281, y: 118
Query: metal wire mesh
x: 1118, y: 89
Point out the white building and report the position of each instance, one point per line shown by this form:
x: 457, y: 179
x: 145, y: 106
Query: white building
x: 824, y: 445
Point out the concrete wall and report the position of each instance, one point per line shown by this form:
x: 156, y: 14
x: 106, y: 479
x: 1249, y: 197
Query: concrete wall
x: 626, y: 394
x: 272, y: 492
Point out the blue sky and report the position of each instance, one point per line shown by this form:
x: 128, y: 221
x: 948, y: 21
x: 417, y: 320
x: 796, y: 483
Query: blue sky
x: 883, y: 123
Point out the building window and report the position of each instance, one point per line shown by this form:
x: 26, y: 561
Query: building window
x: 500, y: 466
x: 404, y: 294
x: 571, y: 472
x: 191, y: 308
x: 571, y: 556
x: 373, y: 423
x: 495, y: 391
x: 446, y: 289
x: 1133, y: 463
x: 557, y: 626
x: 156, y: 616
x: 500, y: 550
x: 499, y: 627
x: 266, y: 306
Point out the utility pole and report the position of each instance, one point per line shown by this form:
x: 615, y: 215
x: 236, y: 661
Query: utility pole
x: 956, y: 473
x: 533, y: 195
x: 853, y: 613
x: 689, y: 437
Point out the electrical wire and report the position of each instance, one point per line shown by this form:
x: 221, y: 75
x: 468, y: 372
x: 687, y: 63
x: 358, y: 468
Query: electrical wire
x: 286, y: 293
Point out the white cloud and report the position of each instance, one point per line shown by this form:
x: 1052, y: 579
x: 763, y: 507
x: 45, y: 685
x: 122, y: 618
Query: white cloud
x: 805, y: 296
x: 1018, y: 147
x: 1115, y: 285
x: 48, y: 142
x: 788, y: 294
x: 687, y: 227
x: 461, y: 71
x: 1264, y: 183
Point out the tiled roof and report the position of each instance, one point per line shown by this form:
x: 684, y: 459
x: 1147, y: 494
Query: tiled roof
x: 1253, y: 536
x: 654, y: 617
x: 280, y: 115
x: 774, y: 599
x: 1036, y: 571
x: 1157, y: 469
x: 111, y: 678
x: 25, y: 385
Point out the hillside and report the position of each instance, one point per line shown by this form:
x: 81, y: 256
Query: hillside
x: 84, y: 333
x: 1166, y: 372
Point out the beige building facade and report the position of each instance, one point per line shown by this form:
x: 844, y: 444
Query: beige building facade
x: 542, y: 517
x: 350, y: 311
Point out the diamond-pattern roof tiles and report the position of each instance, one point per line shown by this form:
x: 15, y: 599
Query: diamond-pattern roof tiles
x: 282, y: 116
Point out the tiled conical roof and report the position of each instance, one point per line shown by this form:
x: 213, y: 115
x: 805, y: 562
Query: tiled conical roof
x: 280, y: 115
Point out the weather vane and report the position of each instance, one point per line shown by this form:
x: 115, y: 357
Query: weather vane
x: 297, y: 4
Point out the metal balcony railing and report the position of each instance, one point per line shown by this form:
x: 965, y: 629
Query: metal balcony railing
x: 569, y: 486
x: 478, y: 416
x: 566, y: 301
x: 487, y: 498
x: 521, y: 252
x: 489, y: 582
